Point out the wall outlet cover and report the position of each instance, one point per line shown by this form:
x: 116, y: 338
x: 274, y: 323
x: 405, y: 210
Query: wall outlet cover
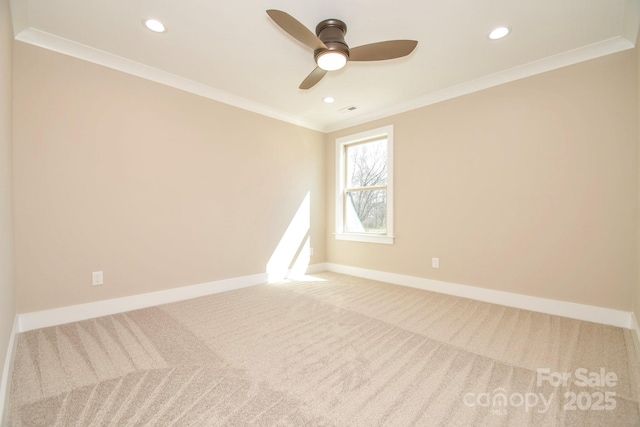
x: 97, y: 278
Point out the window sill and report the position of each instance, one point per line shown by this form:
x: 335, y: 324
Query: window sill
x: 369, y: 238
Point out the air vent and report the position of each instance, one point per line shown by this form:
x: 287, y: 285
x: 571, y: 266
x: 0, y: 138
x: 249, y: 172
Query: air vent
x: 349, y: 109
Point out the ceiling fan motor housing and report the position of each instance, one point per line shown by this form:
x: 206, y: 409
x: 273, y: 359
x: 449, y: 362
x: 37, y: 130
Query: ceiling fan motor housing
x: 332, y: 32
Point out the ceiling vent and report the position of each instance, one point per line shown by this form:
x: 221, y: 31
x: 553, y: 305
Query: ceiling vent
x: 348, y: 109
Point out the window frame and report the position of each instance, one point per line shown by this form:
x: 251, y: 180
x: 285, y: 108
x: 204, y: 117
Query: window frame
x: 341, y: 191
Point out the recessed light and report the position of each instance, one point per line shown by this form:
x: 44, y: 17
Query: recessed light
x: 329, y: 99
x: 499, y: 33
x: 155, y: 25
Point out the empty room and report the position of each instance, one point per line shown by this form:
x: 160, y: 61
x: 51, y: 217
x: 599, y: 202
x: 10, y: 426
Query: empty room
x: 336, y: 213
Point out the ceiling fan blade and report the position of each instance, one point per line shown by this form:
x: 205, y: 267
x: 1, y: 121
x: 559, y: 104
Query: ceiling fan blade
x: 314, y: 77
x: 298, y: 31
x: 383, y: 50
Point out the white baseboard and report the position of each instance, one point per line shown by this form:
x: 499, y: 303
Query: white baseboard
x: 58, y: 316
x: 6, y: 374
x: 317, y: 268
x: 589, y: 313
x: 74, y: 313
x: 634, y: 326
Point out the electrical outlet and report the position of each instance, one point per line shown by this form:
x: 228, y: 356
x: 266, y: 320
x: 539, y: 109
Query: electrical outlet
x: 310, y: 251
x: 97, y: 278
x: 435, y: 262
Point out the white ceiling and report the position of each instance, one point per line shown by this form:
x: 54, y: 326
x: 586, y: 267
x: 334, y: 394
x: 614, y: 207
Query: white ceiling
x: 232, y: 52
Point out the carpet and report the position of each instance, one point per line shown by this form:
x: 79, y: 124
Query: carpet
x: 332, y: 350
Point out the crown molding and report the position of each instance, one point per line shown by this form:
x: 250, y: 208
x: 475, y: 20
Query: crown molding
x: 596, y: 50
x: 87, y: 53
x: 67, y: 47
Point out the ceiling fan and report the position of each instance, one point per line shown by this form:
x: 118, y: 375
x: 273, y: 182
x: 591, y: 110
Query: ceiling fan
x: 331, y: 52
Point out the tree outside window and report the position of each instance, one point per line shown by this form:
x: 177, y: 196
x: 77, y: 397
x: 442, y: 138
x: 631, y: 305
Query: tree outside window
x: 364, y: 186
x: 366, y: 189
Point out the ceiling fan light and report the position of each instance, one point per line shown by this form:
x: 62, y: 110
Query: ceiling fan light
x: 331, y: 60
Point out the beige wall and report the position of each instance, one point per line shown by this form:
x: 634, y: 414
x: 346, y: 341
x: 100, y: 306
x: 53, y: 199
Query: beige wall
x: 156, y: 187
x: 529, y: 187
x: 636, y: 293
x: 7, y: 299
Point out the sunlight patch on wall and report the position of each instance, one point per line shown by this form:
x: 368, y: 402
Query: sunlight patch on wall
x: 299, y: 268
x: 294, y: 246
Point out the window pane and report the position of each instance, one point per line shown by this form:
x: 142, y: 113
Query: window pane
x: 366, y: 211
x: 367, y: 164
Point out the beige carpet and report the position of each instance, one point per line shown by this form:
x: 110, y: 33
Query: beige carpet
x: 337, y: 350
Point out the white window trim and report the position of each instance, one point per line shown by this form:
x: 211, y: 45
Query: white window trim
x: 340, y: 234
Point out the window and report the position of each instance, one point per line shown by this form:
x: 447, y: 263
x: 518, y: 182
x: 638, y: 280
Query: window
x: 364, y: 186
